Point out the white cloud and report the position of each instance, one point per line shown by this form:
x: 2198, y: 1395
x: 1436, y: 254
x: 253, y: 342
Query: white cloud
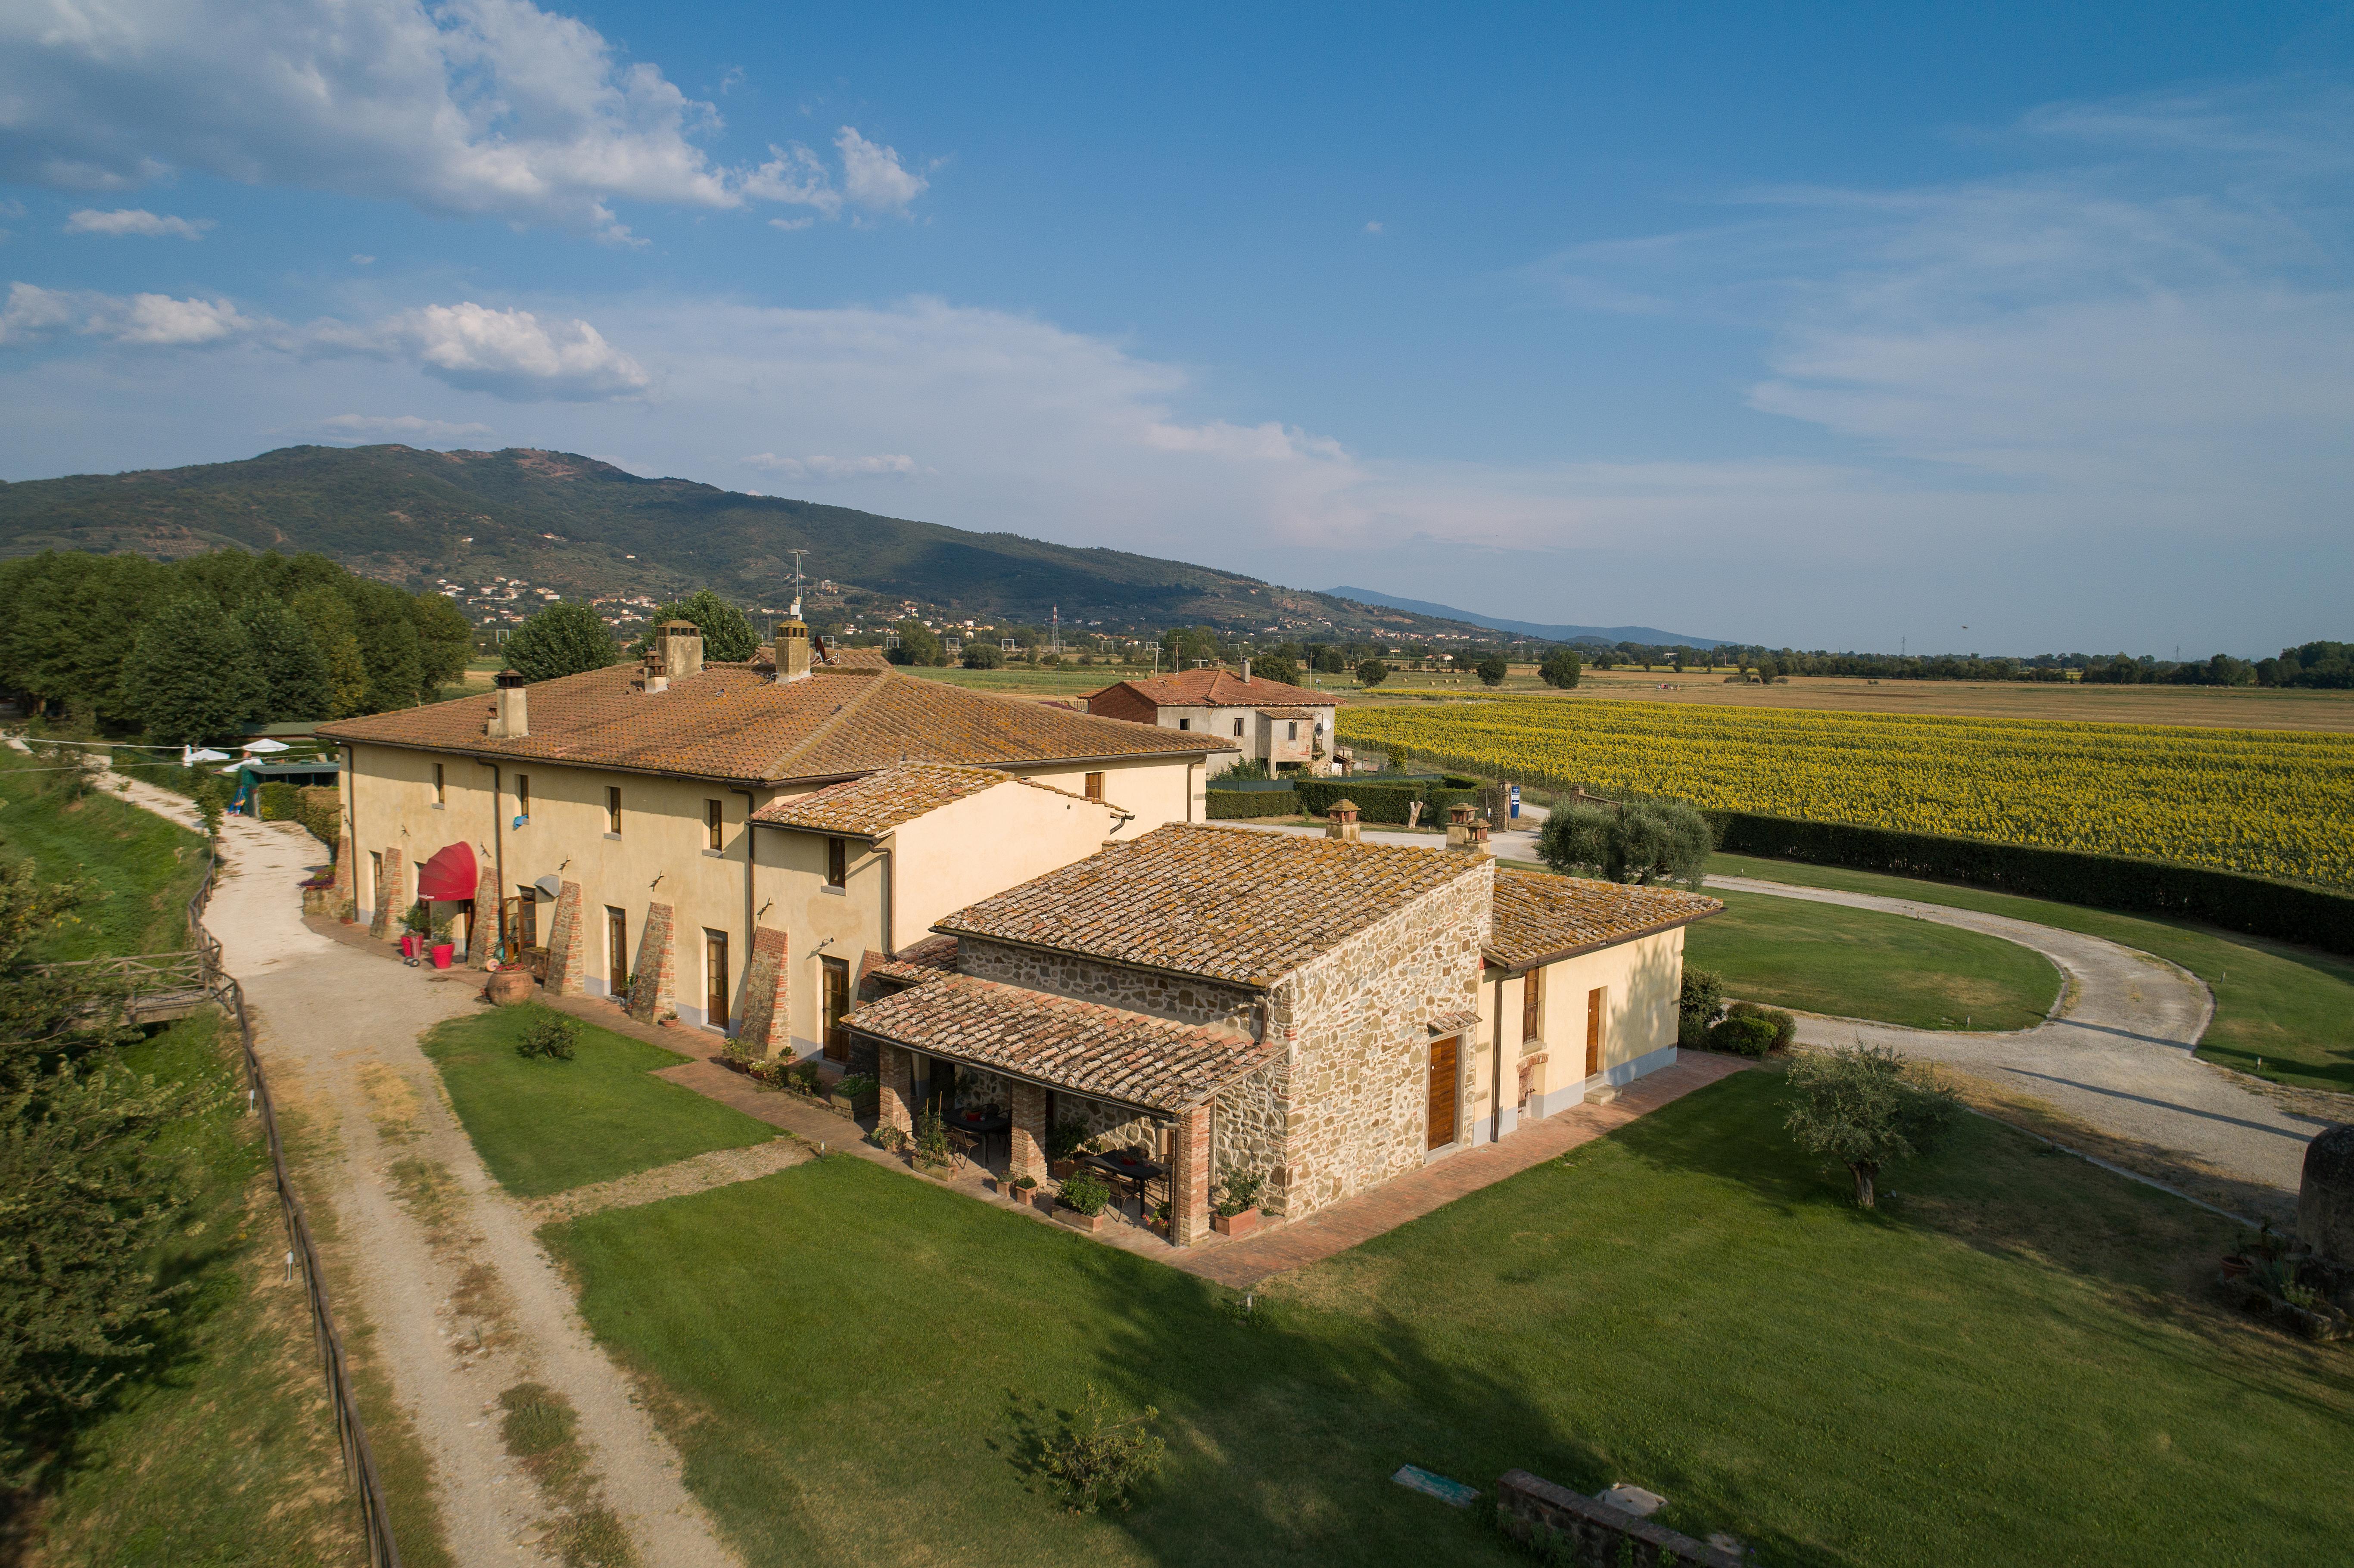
x: 1374, y: 226
x: 153, y: 320
x: 513, y: 353
x: 490, y: 107
x: 135, y: 220
x: 882, y: 465
x: 873, y: 176
x: 409, y: 425
x: 363, y: 260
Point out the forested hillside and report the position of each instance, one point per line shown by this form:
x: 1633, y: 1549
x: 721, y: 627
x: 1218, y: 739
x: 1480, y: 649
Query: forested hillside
x: 574, y: 524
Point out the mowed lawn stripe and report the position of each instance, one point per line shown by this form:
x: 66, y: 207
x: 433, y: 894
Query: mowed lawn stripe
x: 2020, y: 1357
x: 545, y: 1125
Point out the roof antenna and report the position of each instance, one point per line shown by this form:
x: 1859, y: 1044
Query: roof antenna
x: 796, y: 555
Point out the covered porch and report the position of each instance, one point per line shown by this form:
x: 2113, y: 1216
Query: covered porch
x: 1029, y: 1060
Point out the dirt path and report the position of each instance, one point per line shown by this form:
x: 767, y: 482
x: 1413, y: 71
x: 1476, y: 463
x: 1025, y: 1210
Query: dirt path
x: 462, y: 1301
x: 2114, y: 1054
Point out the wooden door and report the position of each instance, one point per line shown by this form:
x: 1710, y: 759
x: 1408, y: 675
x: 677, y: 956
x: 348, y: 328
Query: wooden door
x: 617, y: 952
x: 1442, y: 1091
x: 714, y: 979
x: 1594, y: 1031
x: 833, y: 1002
x: 1528, y: 1075
x: 1531, y: 996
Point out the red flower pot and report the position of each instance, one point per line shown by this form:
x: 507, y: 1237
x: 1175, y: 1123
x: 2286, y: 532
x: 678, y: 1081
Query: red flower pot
x: 408, y: 947
x: 442, y: 953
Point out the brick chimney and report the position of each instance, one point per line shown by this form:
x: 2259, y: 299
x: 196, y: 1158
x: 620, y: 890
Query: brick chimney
x: 680, y: 647
x: 792, y: 649
x: 510, y: 717
x: 1465, y: 831
x: 1341, y: 821
x: 650, y: 670
x: 1245, y: 669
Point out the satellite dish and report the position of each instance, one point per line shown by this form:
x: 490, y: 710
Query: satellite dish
x: 548, y: 886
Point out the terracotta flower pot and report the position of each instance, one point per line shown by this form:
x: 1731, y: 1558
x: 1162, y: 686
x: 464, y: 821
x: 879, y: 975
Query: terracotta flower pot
x: 443, y: 952
x: 1062, y: 1169
x: 1077, y: 1221
x: 1240, y: 1224
x: 509, y: 986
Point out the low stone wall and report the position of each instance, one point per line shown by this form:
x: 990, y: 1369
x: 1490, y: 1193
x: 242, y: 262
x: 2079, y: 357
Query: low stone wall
x: 1595, y: 1535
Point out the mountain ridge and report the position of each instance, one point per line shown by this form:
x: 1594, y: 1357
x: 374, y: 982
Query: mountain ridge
x: 1649, y: 635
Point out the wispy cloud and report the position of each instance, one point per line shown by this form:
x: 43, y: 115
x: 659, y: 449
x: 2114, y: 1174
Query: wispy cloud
x: 138, y: 221
x: 490, y: 107
x: 152, y: 320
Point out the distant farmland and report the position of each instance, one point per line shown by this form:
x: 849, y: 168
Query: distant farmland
x: 2271, y: 802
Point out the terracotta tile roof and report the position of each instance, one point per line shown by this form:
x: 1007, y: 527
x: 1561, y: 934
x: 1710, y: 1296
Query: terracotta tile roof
x: 924, y: 962
x: 737, y: 721
x: 1133, y: 1058
x: 1227, y: 904
x: 1286, y: 713
x: 1224, y: 689
x: 1540, y: 917
x: 873, y: 805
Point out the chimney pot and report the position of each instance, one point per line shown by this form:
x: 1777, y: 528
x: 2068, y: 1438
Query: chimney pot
x: 1245, y: 669
x: 680, y: 646
x: 792, y: 650
x: 510, y: 709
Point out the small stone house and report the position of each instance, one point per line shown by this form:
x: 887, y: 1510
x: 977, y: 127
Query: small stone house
x: 1288, y: 727
x: 1327, y: 1013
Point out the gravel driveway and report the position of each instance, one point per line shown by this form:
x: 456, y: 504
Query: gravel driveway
x: 444, y: 1287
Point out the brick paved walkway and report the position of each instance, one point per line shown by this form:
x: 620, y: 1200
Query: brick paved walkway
x: 1342, y: 1226
x: 1240, y: 1262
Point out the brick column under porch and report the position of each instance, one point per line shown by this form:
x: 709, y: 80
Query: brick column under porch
x: 1189, y: 1182
x: 385, y: 925
x: 1026, y: 1143
x: 568, y: 960
x: 346, y: 883
x: 765, y: 1030
x: 896, y: 1073
x: 653, y: 983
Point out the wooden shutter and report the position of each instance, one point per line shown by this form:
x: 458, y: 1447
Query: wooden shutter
x: 1594, y: 1031
x: 1532, y: 994
x: 1442, y: 1092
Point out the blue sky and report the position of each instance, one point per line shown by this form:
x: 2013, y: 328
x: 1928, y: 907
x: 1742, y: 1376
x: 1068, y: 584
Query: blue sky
x: 1987, y: 329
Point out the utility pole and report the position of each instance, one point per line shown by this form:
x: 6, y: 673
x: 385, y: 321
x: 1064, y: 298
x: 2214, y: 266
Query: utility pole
x: 1055, y: 641
x: 796, y: 555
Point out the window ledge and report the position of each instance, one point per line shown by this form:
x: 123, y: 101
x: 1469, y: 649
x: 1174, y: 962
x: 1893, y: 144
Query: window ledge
x: 714, y: 855
x: 615, y: 837
x: 836, y: 891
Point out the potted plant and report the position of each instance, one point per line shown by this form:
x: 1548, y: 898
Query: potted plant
x: 1083, y: 1201
x: 415, y: 924
x: 933, y: 1154
x: 1236, y: 1211
x: 889, y: 1137
x: 1022, y: 1187
x: 854, y: 1096
x: 1065, y: 1140
x: 445, y: 947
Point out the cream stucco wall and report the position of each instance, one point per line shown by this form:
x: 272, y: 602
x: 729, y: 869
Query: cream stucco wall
x: 1255, y: 741
x: 1640, y: 981
x: 979, y: 846
x: 1155, y: 791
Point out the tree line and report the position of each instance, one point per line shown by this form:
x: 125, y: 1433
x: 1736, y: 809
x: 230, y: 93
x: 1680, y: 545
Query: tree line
x: 2327, y: 665
x: 193, y: 650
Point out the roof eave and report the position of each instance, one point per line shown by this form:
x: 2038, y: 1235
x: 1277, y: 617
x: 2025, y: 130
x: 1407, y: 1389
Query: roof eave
x: 1496, y: 961
x: 1259, y: 986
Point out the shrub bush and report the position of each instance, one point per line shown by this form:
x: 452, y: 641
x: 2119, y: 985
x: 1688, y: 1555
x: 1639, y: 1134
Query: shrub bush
x: 278, y: 801
x: 548, y: 1033
x: 1099, y: 1461
x: 1227, y: 804
x: 1086, y: 1192
x: 1785, y: 1026
x: 855, y: 1086
x: 322, y: 811
x: 1700, y: 1005
x: 1063, y: 1138
x: 1239, y: 1191
x: 931, y: 1138
x: 1741, y: 1036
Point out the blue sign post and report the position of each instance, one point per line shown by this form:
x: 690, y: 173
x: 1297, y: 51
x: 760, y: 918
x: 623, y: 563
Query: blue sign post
x: 1516, y: 803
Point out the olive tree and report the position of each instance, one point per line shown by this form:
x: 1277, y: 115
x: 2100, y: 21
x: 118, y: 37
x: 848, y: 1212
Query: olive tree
x: 1638, y: 840
x: 1865, y: 1107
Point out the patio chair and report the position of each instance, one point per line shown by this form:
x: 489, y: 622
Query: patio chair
x: 963, y: 1148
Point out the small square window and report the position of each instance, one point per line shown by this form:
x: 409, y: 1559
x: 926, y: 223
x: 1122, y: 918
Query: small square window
x: 1291, y: 731
x: 1238, y: 727
x: 1095, y: 786
x: 837, y: 862
x: 1185, y: 723
x: 711, y: 824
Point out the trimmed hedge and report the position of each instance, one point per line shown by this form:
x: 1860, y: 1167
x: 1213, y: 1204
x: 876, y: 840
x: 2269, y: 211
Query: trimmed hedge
x: 1224, y: 804
x: 1380, y: 801
x: 2284, y: 911
x: 278, y: 801
x: 322, y: 811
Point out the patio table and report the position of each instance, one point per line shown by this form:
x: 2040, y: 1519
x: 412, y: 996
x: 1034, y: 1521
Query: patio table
x: 983, y: 1126
x: 1127, y: 1168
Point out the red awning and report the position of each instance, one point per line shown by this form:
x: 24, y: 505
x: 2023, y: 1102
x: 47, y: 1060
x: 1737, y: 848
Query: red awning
x: 449, y: 875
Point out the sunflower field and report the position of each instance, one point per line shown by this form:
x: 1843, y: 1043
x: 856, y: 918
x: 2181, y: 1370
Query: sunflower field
x: 2267, y: 802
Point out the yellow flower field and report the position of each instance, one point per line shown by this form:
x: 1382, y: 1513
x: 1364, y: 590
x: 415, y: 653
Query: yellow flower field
x: 2273, y: 802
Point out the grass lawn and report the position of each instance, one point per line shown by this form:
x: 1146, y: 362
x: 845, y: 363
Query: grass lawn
x: 2016, y: 1359
x: 543, y: 1127
x: 2289, y: 1008
x: 222, y: 1449
x: 1862, y: 963
x: 143, y: 870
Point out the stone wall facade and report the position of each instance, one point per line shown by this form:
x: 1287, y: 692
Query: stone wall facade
x: 1184, y: 997
x: 654, y: 979
x: 1353, y: 1091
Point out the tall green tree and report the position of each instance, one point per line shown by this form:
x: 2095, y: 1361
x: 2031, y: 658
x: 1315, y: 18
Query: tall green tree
x: 388, y: 641
x: 1637, y: 840
x: 295, y: 679
x: 190, y: 676
x: 335, y: 629
x: 562, y: 639
x: 916, y: 645
x: 727, y: 635
x: 1373, y: 672
x: 1276, y: 666
x: 1561, y: 669
x: 445, y: 641
x: 1491, y: 670
x: 1865, y: 1107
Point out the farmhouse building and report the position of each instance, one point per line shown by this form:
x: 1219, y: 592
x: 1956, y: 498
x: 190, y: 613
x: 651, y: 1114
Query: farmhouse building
x: 1288, y: 727
x: 1326, y: 1013
x: 732, y: 844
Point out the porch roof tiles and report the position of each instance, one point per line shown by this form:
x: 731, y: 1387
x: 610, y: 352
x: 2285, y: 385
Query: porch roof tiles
x: 870, y: 806
x: 1540, y: 917
x: 920, y: 965
x: 1104, y: 1052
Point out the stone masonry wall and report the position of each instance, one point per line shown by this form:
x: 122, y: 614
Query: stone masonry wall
x: 767, y: 980
x: 567, y: 963
x: 1164, y: 996
x: 654, y: 981
x: 1246, y: 1129
x: 1358, y: 1049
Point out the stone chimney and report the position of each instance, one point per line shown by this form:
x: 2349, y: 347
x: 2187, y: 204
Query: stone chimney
x: 792, y: 649
x: 680, y: 647
x: 1341, y: 821
x: 510, y: 717
x: 650, y: 672
x: 1465, y: 831
x: 1245, y: 669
